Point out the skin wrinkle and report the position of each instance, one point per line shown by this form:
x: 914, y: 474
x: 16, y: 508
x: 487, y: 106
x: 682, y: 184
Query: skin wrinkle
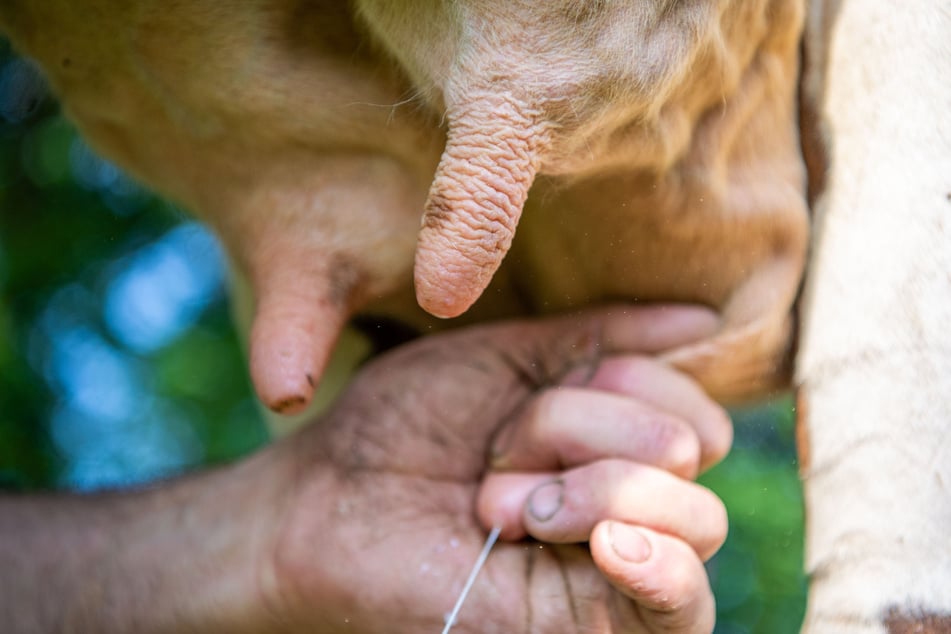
x: 473, y: 213
x: 527, y: 372
x: 302, y: 457
x: 529, y: 572
x: 566, y: 582
x: 495, y: 450
x: 536, y: 376
x: 512, y: 166
x: 536, y: 372
x: 452, y: 205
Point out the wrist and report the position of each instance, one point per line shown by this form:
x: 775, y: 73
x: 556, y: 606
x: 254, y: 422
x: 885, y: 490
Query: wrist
x: 188, y: 556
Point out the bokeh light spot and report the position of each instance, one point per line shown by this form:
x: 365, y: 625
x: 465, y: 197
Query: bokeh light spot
x: 164, y: 288
x: 22, y: 90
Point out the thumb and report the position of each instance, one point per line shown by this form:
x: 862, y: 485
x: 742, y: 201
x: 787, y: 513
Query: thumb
x: 543, y: 350
x: 660, y: 573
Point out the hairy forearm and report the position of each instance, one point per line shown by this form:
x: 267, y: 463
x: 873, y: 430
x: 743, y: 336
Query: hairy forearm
x: 48, y: 545
x: 176, y: 558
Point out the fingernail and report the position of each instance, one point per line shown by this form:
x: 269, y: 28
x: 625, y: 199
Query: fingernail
x: 498, y: 453
x: 579, y: 376
x: 629, y: 543
x: 545, y: 500
x: 499, y: 461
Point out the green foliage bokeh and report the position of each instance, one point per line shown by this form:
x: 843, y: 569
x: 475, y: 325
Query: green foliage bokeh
x: 65, y: 239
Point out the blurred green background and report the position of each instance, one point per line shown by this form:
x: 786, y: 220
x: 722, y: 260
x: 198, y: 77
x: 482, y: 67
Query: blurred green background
x: 119, y: 363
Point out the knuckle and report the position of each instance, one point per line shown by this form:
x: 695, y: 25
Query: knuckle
x: 674, y: 591
x: 613, y: 469
x: 682, y: 450
x: 543, y: 412
x: 538, y: 424
x: 631, y: 371
x: 720, y: 440
x: 715, y: 523
x: 677, y: 597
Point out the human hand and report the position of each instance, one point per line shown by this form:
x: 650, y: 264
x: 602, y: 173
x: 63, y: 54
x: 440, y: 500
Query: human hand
x: 377, y: 531
x: 366, y: 521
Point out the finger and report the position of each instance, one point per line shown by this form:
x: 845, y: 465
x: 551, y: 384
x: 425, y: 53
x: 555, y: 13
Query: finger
x: 565, y: 427
x: 656, y: 328
x: 661, y: 574
x: 501, y: 501
x: 565, y: 508
x: 472, y: 379
x: 545, y: 350
x: 655, y: 383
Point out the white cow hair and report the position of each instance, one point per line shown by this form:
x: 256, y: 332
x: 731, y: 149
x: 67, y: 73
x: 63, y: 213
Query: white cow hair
x: 875, y: 358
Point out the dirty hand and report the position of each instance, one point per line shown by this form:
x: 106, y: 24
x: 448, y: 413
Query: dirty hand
x: 370, y: 519
x: 377, y: 530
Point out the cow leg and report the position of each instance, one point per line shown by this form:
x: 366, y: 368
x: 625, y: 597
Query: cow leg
x: 875, y: 359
